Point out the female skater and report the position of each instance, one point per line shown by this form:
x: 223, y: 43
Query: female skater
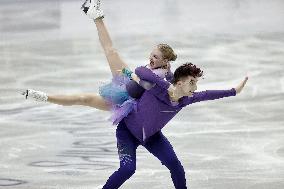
x: 119, y: 95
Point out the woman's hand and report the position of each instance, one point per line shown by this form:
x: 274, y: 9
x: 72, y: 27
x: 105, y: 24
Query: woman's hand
x: 240, y: 87
x: 126, y: 72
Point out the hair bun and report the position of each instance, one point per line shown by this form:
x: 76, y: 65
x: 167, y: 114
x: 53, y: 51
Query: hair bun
x: 174, y: 57
x: 167, y: 51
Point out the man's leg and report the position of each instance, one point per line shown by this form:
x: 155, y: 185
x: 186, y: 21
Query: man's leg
x: 160, y: 147
x: 126, y: 145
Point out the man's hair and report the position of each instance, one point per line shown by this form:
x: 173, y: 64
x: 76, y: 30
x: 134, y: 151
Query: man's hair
x: 185, y: 70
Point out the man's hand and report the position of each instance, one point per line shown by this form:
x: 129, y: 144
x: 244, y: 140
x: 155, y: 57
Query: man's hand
x: 240, y: 87
x: 169, y: 66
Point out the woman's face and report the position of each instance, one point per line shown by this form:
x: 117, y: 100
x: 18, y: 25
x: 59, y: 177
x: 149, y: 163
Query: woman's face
x: 156, y: 59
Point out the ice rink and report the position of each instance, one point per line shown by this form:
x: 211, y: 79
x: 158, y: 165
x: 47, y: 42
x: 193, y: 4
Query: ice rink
x: 51, y: 46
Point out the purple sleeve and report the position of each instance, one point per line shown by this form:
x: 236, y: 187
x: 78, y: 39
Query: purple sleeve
x: 134, y: 89
x: 147, y: 75
x: 170, y: 77
x: 209, y: 95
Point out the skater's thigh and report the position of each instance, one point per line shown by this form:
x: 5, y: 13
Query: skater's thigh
x: 160, y: 147
x: 126, y: 142
x: 115, y: 61
x: 96, y: 101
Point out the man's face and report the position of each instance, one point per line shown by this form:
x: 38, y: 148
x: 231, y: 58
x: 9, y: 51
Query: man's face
x: 188, y: 85
x: 156, y: 59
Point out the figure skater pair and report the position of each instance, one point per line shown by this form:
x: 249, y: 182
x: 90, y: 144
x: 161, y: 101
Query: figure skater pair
x: 142, y: 102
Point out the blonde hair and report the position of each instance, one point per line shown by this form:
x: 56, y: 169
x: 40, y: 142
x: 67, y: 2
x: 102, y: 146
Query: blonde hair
x: 167, y: 51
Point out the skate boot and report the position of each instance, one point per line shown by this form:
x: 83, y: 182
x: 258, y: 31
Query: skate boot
x: 35, y: 95
x: 93, y: 9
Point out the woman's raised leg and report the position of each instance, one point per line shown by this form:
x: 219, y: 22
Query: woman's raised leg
x: 114, y: 60
x: 95, y: 13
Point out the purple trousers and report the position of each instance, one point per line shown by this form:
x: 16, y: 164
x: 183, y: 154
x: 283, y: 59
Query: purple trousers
x: 157, y: 144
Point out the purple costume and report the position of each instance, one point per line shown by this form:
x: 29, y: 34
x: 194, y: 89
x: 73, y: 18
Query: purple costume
x: 154, y: 108
x: 143, y: 126
x: 122, y: 93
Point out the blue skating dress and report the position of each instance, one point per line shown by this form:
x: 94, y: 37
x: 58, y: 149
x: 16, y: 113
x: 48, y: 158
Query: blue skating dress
x: 122, y: 93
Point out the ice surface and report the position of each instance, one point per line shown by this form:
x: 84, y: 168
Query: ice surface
x: 51, y: 46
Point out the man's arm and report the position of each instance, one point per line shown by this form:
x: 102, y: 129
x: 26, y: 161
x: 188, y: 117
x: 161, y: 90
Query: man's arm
x: 146, y: 74
x: 145, y: 78
x: 146, y: 84
x: 209, y: 95
x: 215, y: 94
x: 161, y: 87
